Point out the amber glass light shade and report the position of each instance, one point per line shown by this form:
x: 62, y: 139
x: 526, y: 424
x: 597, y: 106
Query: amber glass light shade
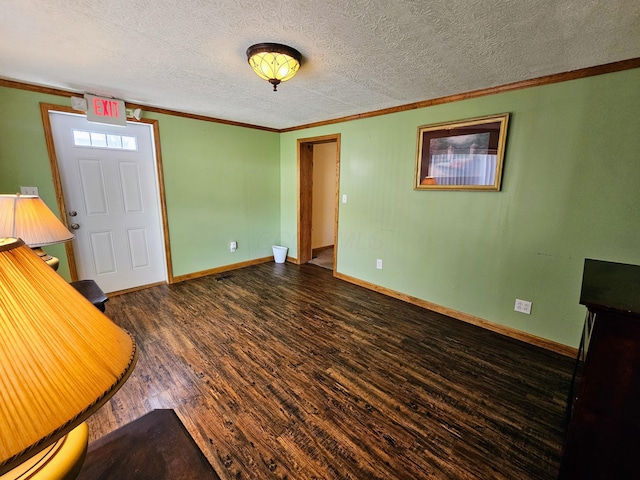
x: 274, y: 62
x: 60, y: 358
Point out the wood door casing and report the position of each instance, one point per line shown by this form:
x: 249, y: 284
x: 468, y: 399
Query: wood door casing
x: 305, y: 194
x: 45, y: 108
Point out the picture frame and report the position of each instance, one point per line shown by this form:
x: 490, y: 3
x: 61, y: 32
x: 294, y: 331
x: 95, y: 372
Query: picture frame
x: 462, y: 155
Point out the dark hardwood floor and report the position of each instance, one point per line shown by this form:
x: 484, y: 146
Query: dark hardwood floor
x: 282, y: 371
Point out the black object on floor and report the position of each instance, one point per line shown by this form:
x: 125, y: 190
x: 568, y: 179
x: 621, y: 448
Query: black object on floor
x: 92, y: 292
x: 156, y: 446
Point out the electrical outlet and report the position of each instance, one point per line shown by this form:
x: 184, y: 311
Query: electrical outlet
x: 233, y: 246
x: 29, y: 191
x: 523, y: 306
x: 379, y: 264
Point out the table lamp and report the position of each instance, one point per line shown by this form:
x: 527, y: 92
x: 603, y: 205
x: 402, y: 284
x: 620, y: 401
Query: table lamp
x: 61, y: 359
x: 27, y: 217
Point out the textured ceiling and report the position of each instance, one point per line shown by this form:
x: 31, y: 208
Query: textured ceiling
x: 358, y: 55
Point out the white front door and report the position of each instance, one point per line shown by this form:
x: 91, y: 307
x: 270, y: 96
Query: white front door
x: 110, y: 187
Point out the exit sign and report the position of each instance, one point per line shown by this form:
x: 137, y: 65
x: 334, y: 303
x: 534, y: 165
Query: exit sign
x: 106, y: 110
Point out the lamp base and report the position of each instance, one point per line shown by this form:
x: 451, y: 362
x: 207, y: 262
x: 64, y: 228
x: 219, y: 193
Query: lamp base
x: 60, y: 461
x: 53, y: 262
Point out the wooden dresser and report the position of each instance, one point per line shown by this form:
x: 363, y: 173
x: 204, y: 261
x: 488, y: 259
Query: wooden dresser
x: 603, y: 435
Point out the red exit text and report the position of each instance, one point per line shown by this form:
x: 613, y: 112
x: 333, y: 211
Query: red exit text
x: 105, y: 108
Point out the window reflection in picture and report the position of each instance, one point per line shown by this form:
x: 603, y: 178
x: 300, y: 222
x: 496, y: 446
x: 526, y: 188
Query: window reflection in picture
x: 463, y: 155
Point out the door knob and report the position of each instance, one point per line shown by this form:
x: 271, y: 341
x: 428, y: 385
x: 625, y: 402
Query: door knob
x: 74, y: 226
x: 72, y: 213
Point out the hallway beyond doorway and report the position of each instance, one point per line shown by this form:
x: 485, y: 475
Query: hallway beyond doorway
x: 323, y: 258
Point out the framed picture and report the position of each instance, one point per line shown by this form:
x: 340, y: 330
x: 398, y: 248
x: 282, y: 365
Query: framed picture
x: 462, y: 155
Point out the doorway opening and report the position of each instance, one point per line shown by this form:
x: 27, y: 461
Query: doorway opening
x: 319, y: 159
x: 101, y: 190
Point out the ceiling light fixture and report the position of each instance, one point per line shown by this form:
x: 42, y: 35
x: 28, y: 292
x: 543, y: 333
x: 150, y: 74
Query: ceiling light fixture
x: 274, y: 62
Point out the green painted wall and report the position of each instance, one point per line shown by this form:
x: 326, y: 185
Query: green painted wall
x: 221, y: 182
x: 23, y: 153
x: 571, y: 190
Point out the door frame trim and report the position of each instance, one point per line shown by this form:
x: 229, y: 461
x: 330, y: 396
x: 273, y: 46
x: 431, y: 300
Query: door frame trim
x: 45, y: 108
x: 305, y: 196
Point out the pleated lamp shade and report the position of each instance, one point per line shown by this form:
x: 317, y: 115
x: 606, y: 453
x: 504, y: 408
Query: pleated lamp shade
x: 28, y: 217
x: 60, y: 358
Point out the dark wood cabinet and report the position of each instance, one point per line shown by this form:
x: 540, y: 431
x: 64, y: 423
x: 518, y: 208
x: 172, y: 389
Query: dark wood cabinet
x: 603, y: 435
